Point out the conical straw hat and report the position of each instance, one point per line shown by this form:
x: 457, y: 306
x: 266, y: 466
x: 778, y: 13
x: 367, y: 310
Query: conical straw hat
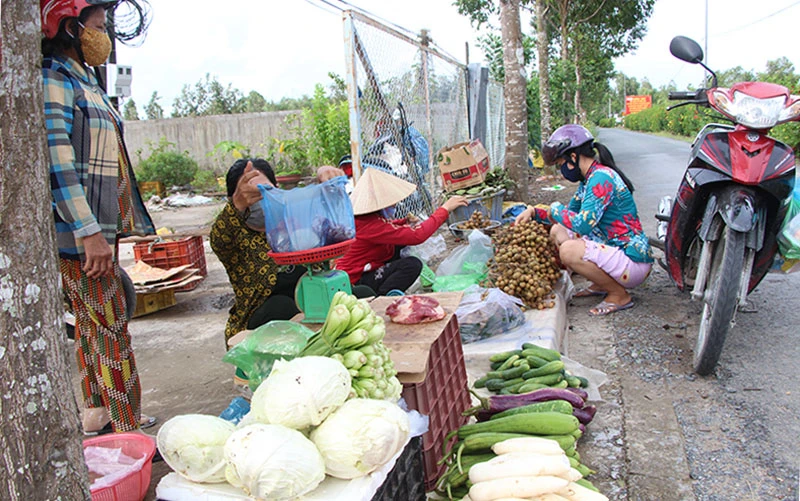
x: 377, y: 190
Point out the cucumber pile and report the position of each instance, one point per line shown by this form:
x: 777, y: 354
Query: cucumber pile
x: 527, y: 369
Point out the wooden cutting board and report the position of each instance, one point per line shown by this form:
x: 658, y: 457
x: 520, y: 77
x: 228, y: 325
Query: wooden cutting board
x: 411, y: 344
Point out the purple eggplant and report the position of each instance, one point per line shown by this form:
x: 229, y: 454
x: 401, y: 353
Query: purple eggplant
x: 582, y: 427
x: 579, y: 391
x: 585, y: 414
x: 483, y: 415
x: 500, y: 403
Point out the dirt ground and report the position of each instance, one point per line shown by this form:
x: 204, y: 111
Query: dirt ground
x: 179, y: 350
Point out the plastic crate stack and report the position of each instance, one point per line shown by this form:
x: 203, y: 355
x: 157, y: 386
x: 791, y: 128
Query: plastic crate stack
x: 406, y: 480
x: 166, y: 255
x: 442, y: 396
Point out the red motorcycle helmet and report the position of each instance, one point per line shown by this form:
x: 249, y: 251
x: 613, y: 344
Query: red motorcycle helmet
x: 563, y: 139
x: 55, y: 11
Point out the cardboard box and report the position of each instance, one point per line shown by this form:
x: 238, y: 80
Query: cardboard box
x: 463, y: 165
x: 154, y: 301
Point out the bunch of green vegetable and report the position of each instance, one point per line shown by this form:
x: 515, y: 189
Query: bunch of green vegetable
x: 495, y: 180
x: 353, y: 334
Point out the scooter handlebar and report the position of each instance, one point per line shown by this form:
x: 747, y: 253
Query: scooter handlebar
x: 679, y: 95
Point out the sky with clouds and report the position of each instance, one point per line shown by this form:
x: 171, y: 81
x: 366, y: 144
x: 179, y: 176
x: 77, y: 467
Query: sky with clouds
x: 283, y: 48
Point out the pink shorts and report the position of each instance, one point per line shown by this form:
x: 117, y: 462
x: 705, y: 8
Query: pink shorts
x: 616, y: 263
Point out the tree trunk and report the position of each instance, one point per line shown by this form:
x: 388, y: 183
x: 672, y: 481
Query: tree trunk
x: 516, y: 162
x: 563, y: 7
x: 40, y: 448
x: 580, y: 112
x: 544, y: 70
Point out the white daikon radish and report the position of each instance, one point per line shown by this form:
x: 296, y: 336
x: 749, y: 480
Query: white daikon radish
x: 522, y: 487
x: 520, y: 464
x: 537, y: 445
x: 571, y: 475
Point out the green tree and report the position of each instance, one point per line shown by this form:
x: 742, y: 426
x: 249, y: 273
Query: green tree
x: 208, y: 97
x: 726, y: 78
x: 254, y: 102
x: 320, y: 134
x: 591, y: 31
x: 166, y: 164
x: 153, y: 110
x: 781, y: 71
x: 129, y: 111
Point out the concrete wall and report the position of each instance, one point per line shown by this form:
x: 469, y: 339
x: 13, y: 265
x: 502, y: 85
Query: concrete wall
x: 199, y: 135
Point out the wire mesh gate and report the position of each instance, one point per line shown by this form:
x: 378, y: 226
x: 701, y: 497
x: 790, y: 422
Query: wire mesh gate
x: 407, y: 101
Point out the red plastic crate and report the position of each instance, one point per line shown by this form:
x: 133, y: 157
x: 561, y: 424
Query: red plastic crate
x: 442, y: 396
x: 166, y: 255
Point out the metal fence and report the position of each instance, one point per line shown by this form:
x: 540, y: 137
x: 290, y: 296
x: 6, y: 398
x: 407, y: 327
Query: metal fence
x: 407, y: 101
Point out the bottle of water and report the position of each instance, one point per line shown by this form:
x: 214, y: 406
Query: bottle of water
x: 236, y: 410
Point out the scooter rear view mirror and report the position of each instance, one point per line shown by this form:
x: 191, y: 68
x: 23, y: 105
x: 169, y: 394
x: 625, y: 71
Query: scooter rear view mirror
x: 686, y: 49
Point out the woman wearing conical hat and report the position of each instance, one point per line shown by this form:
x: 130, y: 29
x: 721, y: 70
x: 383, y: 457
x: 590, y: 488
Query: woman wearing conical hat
x: 374, y: 258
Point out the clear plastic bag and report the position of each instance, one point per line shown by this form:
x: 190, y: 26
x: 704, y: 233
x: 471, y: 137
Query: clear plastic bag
x: 309, y: 217
x: 789, y: 236
x: 466, y: 264
x: 470, y: 258
x: 427, y: 250
x: 484, y: 313
x: 277, y: 339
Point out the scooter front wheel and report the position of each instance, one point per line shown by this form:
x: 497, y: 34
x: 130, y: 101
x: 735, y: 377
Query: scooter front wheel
x: 720, y: 299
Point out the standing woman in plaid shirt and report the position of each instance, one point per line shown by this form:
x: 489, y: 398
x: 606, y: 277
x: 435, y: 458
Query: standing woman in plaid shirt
x: 95, y: 201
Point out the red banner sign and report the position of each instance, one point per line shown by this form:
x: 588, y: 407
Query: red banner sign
x: 635, y: 104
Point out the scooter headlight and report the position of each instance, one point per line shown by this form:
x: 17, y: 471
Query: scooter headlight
x: 791, y: 112
x: 751, y: 111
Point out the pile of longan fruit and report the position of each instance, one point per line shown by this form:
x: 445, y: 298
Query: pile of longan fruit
x: 525, y: 264
x: 477, y: 221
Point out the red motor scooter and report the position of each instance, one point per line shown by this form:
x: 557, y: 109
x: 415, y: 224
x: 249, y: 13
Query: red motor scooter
x: 719, y: 232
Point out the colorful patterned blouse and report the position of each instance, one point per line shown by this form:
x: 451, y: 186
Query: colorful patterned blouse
x: 252, y: 273
x: 604, y: 211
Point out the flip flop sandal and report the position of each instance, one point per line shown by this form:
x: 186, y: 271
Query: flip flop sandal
x: 589, y: 292
x: 606, y: 308
x: 147, y: 422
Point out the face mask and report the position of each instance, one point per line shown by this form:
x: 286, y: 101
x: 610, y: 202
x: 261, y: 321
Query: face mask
x: 255, y: 220
x: 572, y: 175
x: 388, y: 212
x: 95, y: 45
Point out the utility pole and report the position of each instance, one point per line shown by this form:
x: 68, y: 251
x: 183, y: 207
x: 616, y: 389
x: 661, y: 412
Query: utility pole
x: 705, y: 50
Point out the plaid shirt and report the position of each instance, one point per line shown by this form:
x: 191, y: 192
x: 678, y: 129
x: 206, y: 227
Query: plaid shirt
x: 85, y: 156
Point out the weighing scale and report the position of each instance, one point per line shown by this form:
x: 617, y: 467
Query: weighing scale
x: 315, y: 289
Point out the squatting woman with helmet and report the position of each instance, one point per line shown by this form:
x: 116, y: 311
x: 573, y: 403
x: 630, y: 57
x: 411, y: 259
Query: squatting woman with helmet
x: 599, y: 234
x: 95, y: 201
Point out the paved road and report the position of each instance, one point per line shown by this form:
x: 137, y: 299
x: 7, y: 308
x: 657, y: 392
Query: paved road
x: 663, y: 433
